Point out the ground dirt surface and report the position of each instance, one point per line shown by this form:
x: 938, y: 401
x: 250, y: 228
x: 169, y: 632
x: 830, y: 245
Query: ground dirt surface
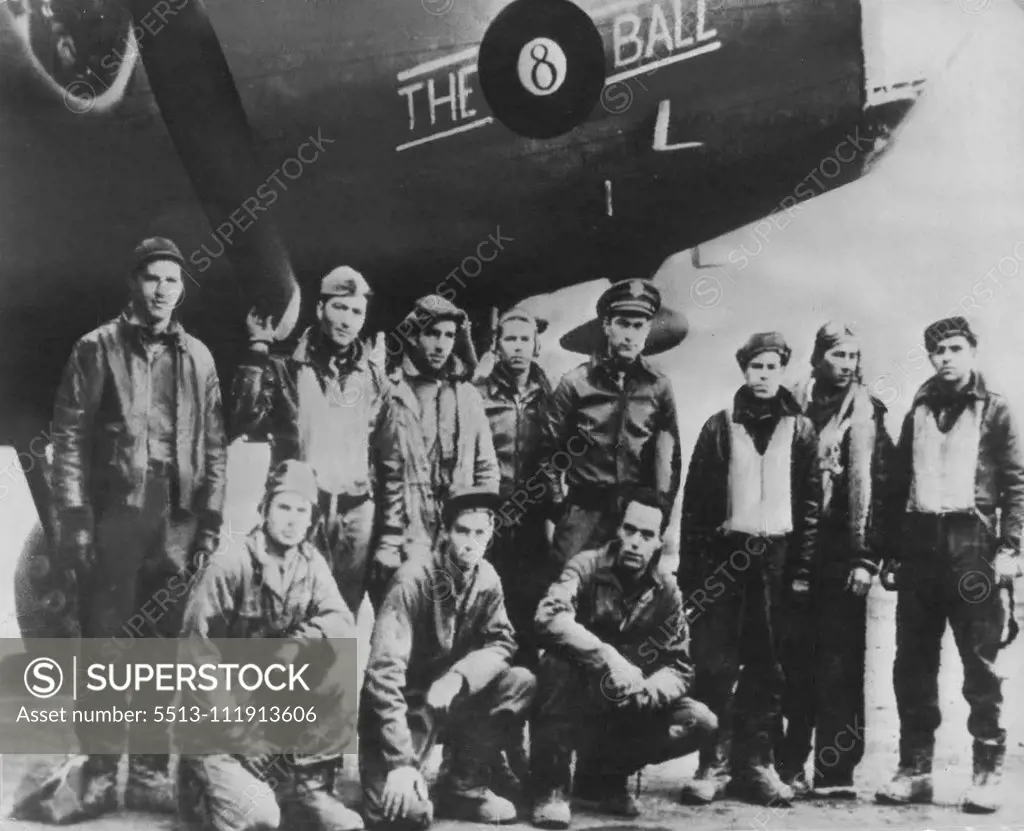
x: 660, y: 784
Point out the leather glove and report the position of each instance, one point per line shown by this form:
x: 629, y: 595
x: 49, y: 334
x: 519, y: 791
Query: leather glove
x: 207, y: 537
x: 261, y: 329
x: 889, y: 576
x: 858, y: 582
x: 204, y: 547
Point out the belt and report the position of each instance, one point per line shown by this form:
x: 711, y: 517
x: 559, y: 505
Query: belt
x: 338, y: 503
x: 727, y: 536
x: 159, y: 467
x: 989, y: 520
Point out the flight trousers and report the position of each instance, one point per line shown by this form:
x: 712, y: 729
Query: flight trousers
x: 573, y: 713
x: 946, y: 575
x: 476, y: 729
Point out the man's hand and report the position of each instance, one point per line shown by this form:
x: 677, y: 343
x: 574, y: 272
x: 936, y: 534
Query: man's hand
x: 389, y: 552
x: 622, y: 678
x: 204, y: 547
x: 639, y: 700
x: 79, y: 553
x: 801, y: 587
x: 1006, y: 566
x: 288, y: 653
x: 404, y: 787
x: 261, y: 330
x: 859, y: 581
x: 443, y: 691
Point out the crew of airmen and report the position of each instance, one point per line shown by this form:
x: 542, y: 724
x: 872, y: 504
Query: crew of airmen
x: 513, y: 596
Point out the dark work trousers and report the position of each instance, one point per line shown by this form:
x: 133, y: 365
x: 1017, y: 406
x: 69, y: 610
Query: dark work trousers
x: 476, y: 728
x: 823, y: 661
x: 582, y: 528
x: 519, y: 553
x: 736, y: 636
x: 137, y: 590
x: 573, y: 713
x: 346, y: 532
x: 946, y: 575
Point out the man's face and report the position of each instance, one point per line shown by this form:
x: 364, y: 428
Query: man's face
x: 342, y: 318
x: 627, y: 335
x: 839, y: 365
x: 288, y: 518
x: 157, y: 290
x: 436, y: 342
x: 953, y: 359
x: 469, y: 536
x: 764, y: 374
x: 639, y: 537
x: 515, y: 346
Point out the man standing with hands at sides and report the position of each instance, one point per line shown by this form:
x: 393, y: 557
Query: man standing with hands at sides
x: 138, y: 493
x: 825, y: 649
x: 443, y: 434
x: 961, y: 477
x: 621, y: 414
x: 514, y: 394
x: 328, y: 405
x: 439, y: 670
x: 747, y: 550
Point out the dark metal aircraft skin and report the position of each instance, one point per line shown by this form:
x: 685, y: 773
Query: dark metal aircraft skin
x: 275, y: 140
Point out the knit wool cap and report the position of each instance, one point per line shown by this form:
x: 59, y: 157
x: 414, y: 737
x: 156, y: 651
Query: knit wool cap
x: 763, y: 342
x: 948, y: 327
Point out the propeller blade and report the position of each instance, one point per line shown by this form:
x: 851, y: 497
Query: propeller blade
x: 203, y: 111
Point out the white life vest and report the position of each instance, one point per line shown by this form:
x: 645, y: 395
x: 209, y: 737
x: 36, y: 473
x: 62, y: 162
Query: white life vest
x: 334, y: 429
x: 760, y: 487
x: 944, y: 464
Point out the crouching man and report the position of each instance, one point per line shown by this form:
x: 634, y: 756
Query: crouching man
x: 440, y: 670
x: 613, y: 681
x: 276, y: 585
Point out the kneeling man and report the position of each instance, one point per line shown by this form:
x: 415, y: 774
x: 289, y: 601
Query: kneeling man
x: 440, y: 670
x: 612, y: 683
x: 276, y: 585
